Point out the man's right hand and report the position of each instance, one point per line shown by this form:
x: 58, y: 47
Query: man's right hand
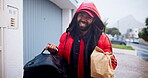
x: 51, y: 48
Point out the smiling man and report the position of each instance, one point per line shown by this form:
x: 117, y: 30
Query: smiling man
x: 78, y: 42
x: 84, y: 21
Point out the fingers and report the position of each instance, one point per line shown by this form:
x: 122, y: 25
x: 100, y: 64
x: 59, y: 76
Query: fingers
x: 107, y: 53
x: 51, y: 47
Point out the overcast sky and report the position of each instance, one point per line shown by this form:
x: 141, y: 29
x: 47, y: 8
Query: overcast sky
x: 114, y: 10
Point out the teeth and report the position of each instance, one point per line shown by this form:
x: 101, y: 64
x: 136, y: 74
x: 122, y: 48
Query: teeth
x: 83, y: 24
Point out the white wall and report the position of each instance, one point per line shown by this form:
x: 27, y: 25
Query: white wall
x: 13, y: 43
x: 66, y: 18
x: 67, y: 6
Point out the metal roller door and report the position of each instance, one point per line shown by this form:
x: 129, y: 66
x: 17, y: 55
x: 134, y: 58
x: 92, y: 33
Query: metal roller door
x: 42, y: 23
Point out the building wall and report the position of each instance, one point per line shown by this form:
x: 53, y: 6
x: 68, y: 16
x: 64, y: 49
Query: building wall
x: 68, y: 7
x: 13, y: 39
x: 66, y: 18
x: 11, y: 45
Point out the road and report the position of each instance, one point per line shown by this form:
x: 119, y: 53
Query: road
x: 142, y: 50
x: 129, y: 64
x: 139, y: 46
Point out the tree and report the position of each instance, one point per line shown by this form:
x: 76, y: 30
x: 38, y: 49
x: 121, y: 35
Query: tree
x: 105, y: 24
x: 146, y: 22
x: 144, y: 33
x: 113, y: 31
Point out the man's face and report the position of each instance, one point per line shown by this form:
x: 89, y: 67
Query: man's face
x: 84, y: 21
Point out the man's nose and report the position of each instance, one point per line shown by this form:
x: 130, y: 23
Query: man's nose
x: 84, y: 19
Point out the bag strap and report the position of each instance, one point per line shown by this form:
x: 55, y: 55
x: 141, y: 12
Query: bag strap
x: 52, y: 53
x: 42, y: 51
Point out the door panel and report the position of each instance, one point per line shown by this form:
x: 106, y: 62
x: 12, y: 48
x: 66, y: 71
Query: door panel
x: 42, y: 24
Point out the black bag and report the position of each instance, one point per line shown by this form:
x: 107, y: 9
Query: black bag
x: 46, y: 66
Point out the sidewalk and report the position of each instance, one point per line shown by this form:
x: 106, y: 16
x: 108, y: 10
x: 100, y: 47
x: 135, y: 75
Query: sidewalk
x: 130, y: 65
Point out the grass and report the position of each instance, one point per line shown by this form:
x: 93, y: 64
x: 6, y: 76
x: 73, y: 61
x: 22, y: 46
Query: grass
x: 122, y: 47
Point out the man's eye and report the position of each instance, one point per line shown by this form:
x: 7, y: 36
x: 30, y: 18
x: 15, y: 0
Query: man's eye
x: 89, y: 17
x: 81, y: 15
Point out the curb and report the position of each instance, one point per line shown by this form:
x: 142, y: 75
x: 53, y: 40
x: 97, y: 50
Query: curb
x: 123, y: 51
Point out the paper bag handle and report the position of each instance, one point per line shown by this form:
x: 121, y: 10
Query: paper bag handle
x: 101, y: 51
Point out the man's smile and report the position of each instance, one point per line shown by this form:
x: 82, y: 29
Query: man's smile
x: 82, y: 24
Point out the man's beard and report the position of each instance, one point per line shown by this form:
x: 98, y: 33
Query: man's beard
x: 83, y: 28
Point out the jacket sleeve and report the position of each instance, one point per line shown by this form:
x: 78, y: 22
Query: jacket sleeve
x: 61, y: 44
x: 105, y: 44
x: 114, y: 62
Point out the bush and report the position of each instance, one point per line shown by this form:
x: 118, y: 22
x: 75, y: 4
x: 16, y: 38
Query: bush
x: 144, y: 34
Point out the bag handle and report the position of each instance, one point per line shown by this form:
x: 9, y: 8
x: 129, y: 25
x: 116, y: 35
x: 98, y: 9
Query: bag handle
x: 101, y: 51
x: 43, y: 51
x: 52, y: 53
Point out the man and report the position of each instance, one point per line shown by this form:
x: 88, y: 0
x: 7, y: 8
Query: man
x: 78, y: 42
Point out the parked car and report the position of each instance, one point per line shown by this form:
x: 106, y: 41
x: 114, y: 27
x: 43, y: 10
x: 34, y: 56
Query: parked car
x: 118, y: 42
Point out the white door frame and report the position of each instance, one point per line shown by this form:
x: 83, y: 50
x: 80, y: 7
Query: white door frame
x: 2, y: 68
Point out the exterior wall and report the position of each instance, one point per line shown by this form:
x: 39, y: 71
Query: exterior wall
x: 135, y: 32
x: 13, y: 41
x: 132, y: 34
x: 1, y: 40
x: 11, y: 38
x: 67, y: 7
x: 66, y: 18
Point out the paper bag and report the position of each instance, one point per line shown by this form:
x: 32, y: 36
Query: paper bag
x: 101, y: 66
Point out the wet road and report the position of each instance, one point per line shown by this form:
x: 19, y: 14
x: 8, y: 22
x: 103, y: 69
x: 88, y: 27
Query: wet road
x: 140, y: 46
x: 141, y: 49
x: 130, y: 65
x: 142, y: 54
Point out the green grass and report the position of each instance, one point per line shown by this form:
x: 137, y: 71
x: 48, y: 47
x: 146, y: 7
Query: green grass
x: 122, y: 47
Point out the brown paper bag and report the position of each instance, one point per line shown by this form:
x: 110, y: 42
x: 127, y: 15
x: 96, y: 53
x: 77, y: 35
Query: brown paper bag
x: 101, y: 66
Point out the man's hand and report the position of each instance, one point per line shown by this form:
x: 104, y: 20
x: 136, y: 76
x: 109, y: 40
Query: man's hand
x: 107, y: 53
x: 51, y: 48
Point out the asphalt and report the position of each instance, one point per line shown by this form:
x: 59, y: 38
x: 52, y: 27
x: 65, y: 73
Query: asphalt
x: 130, y: 65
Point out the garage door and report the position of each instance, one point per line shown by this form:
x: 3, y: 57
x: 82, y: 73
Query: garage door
x: 42, y: 23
